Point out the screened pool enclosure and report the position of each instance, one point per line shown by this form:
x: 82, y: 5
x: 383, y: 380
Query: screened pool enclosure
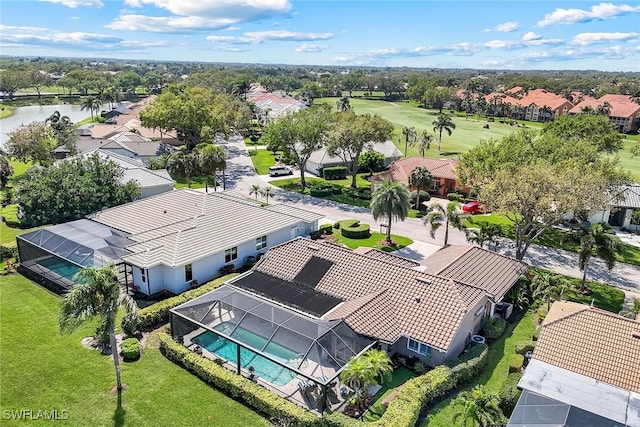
x: 55, y: 254
x: 275, y: 343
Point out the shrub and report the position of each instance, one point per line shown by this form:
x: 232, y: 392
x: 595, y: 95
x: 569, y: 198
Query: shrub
x: 419, y: 368
x: 326, y: 229
x: 522, y: 347
x: 240, y: 388
x: 535, y: 335
x: 493, y: 327
x: 158, y: 313
x: 336, y: 172
x: 130, y: 349
x: 468, y: 365
x: 321, y: 191
x: 509, y: 393
x: 227, y: 269
x: 8, y: 251
x: 352, y: 229
x: 515, y: 364
x: 413, y: 199
x: 457, y: 197
x: 361, y: 193
x: 542, y: 312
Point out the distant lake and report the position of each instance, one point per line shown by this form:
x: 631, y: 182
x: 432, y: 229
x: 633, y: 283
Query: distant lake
x: 24, y: 115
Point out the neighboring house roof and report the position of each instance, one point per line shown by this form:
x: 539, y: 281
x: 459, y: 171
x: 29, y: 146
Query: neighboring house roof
x: 145, y: 148
x: 500, y: 98
x: 628, y: 197
x: 490, y: 271
x: 278, y: 105
x: 380, y: 298
x: 401, y: 169
x: 591, y: 342
x: 387, y: 257
x: 541, y: 97
x: 621, y: 105
x: 182, y: 226
x: 387, y: 149
x: 295, y: 212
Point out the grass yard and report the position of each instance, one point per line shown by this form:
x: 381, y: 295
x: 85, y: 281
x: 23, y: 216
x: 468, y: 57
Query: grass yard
x: 43, y: 370
x: 262, y: 160
x: 399, y: 377
x: 373, y: 241
x: 5, y: 111
x: 293, y: 184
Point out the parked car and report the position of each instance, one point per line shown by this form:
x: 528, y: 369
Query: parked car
x: 472, y: 208
x: 280, y: 170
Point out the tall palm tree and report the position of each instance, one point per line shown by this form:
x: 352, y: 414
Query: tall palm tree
x: 550, y: 287
x: 240, y: 89
x: 545, y: 113
x: 390, y: 201
x: 357, y: 374
x: 444, y: 122
x: 89, y: 103
x: 255, y: 191
x: 267, y: 192
x: 182, y: 165
x: 605, y: 245
x: 420, y: 179
x: 343, y: 104
x: 425, y: 142
x: 439, y: 215
x: 380, y: 364
x: 479, y: 406
x: 6, y: 170
x: 484, y: 233
x: 210, y: 158
x: 98, y: 295
x: 410, y: 136
x: 603, y: 109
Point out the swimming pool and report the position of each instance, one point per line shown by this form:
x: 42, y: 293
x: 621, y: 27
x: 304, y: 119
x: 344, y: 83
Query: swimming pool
x: 60, y: 267
x: 263, y: 367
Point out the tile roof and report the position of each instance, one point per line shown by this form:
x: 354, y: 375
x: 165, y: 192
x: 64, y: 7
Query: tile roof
x: 387, y: 148
x: 387, y: 257
x: 382, y: 299
x: 541, y: 97
x: 621, y: 105
x: 592, y: 342
x: 401, y: 169
x: 490, y: 271
x: 181, y: 226
x: 628, y: 196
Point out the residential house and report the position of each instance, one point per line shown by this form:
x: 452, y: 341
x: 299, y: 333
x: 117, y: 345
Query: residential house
x: 584, y: 371
x: 623, y: 112
x: 271, y: 106
x: 117, y: 110
x: 168, y: 242
x: 542, y: 105
x: 320, y: 159
x: 127, y: 144
x: 624, y: 201
x: 444, y: 178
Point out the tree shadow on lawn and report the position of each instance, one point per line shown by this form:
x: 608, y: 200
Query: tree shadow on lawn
x: 450, y: 153
x: 119, y: 413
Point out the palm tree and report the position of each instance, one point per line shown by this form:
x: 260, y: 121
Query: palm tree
x: 425, y: 142
x: 255, y: 190
x: 91, y: 104
x: 6, y: 170
x: 380, y: 364
x: 545, y: 113
x: 603, y: 109
x: 479, y: 406
x: 550, y: 287
x: 343, y: 104
x: 357, y: 374
x: 266, y: 192
x: 485, y: 233
x: 390, y: 201
x: 410, y: 136
x: 587, y: 109
x: 443, y: 123
x: 438, y: 215
x: 420, y: 179
x: 98, y: 295
x: 210, y: 158
x: 605, y: 245
x: 181, y: 165
x: 240, y: 89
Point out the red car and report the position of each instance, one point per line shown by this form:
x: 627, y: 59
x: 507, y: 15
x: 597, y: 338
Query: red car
x: 472, y: 208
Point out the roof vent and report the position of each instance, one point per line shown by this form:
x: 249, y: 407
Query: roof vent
x: 418, y: 300
x: 423, y: 280
x: 313, y: 247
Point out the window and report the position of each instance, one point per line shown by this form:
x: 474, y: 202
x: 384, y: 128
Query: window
x: 418, y: 347
x: 231, y: 254
x: 143, y: 275
x: 188, y: 272
x: 261, y: 243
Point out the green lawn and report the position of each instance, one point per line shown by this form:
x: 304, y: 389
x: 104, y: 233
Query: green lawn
x: 42, y: 369
x: 557, y: 238
x: 262, y: 160
x: 374, y: 241
x: 399, y: 377
x: 293, y: 184
x: 5, y: 111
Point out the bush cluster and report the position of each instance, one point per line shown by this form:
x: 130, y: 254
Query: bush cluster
x: 336, y: 172
x: 515, y: 364
x: 155, y: 314
x: 509, y: 393
x: 326, y: 229
x: 240, y: 388
x: 522, y: 347
x: 542, y: 312
x: 360, y: 193
x: 323, y: 189
x: 493, y: 327
x: 8, y: 251
x: 413, y: 199
x: 457, y: 197
x: 130, y: 349
x: 352, y: 229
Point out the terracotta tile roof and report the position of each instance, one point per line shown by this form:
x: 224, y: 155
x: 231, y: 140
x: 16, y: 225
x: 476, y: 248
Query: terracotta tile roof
x: 621, y: 105
x: 592, y: 342
x: 388, y: 257
x: 541, y: 97
x: 490, y: 271
x: 382, y: 299
x: 439, y: 168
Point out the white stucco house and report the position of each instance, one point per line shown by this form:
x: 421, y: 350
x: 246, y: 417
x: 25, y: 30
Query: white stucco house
x: 169, y: 242
x: 320, y: 159
x: 619, y: 213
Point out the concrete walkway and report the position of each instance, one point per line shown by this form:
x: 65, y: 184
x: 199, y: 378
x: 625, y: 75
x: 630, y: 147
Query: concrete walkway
x: 241, y: 176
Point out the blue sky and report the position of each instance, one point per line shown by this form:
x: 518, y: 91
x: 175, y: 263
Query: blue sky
x: 571, y: 35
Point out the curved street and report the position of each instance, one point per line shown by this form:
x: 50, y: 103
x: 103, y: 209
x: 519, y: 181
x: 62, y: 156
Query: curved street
x: 241, y: 175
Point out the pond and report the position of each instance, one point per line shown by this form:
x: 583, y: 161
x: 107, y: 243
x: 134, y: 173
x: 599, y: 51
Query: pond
x: 24, y: 115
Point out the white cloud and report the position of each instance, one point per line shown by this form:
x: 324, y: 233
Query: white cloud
x: 506, y: 27
x: 198, y: 15
x: 74, y: 17
x: 232, y: 28
x: 585, y: 39
x: 258, y: 37
x: 311, y: 48
x: 76, y: 3
x: 531, y: 36
x: 598, y: 12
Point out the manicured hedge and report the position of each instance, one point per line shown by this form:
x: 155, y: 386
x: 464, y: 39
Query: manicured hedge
x: 130, y: 349
x: 319, y: 191
x: 493, y: 327
x: 352, y: 229
x: 253, y: 395
x: 515, y: 364
x: 158, y: 313
x: 326, y: 229
x: 336, y: 172
x: 509, y: 393
x: 8, y: 251
x: 523, y: 346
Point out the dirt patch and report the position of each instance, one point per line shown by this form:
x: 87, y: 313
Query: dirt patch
x: 91, y: 343
x: 114, y: 390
